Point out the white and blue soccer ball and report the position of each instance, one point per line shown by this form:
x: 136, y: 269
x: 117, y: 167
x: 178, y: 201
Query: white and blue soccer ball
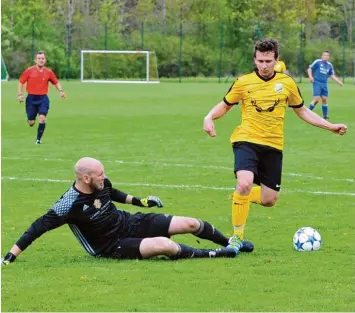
x: 307, y: 239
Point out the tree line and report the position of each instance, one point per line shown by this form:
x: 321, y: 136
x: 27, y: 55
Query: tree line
x: 189, y: 37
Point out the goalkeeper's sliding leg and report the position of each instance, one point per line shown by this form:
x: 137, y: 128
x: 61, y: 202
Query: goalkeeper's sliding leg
x: 151, y: 237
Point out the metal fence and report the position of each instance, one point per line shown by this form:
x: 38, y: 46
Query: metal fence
x: 185, y: 50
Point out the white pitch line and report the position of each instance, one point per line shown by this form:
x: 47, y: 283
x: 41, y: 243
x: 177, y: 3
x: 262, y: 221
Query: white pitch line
x: 330, y: 193
x: 349, y: 180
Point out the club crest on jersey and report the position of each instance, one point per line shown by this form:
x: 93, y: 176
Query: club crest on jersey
x: 97, y: 204
x: 279, y: 87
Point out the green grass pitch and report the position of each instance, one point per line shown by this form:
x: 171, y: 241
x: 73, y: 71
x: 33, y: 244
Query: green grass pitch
x: 150, y: 140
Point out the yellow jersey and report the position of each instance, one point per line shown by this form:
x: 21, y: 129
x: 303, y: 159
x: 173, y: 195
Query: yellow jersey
x: 280, y: 67
x: 264, y: 103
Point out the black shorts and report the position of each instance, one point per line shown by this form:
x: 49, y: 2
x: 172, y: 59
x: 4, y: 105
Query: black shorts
x: 140, y: 226
x: 264, y: 161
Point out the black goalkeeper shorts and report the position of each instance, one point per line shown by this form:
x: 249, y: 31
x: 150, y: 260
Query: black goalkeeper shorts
x: 141, y: 226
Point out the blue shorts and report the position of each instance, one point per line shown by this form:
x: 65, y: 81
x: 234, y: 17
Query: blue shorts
x: 36, y: 104
x: 320, y: 89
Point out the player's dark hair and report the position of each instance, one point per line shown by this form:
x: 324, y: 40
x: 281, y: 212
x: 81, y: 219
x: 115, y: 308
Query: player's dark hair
x: 326, y: 51
x: 267, y: 45
x: 40, y: 52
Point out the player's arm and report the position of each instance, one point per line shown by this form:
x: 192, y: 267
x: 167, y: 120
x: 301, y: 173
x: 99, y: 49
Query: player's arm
x: 148, y: 202
x: 217, y: 112
x: 61, y: 91
x: 296, y: 103
x: 335, y: 78
x: 20, y: 92
x: 54, y: 80
x: 122, y: 197
x: 232, y: 97
x: 45, y: 223
x: 22, y: 81
x: 310, y: 74
x: 314, y: 119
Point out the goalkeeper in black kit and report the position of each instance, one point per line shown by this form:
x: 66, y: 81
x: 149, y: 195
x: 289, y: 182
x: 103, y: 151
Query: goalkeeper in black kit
x: 105, y: 231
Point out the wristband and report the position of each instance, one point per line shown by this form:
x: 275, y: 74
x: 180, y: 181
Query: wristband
x: 10, y: 257
x: 136, y: 202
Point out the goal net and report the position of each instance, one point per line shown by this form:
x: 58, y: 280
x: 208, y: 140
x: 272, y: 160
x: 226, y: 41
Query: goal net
x: 4, y: 73
x: 116, y: 66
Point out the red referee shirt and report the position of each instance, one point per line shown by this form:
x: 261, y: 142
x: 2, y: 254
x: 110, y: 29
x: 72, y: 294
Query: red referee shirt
x: 37, y: 81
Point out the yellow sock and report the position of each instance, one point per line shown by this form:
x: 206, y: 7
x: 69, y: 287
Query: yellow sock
x: 240, y: 211
x: 255, y: 195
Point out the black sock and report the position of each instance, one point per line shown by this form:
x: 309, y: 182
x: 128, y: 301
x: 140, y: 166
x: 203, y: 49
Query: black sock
x: 207, y: 231
x: 186, y: 252
x: 40, y: 130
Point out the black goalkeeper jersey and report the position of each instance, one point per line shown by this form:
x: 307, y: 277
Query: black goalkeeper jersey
x: 93, y: 218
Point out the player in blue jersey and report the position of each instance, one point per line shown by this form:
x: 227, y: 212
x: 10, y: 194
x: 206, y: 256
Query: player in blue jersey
x: 318, y: 73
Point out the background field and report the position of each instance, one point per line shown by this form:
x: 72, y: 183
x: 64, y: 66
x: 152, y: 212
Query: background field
x: 151, y: 141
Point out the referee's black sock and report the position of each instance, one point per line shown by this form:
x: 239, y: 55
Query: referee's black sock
x: 40, y: 130
x: 207, y: 231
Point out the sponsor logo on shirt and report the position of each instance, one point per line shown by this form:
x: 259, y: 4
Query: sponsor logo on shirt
x: 279, y: 87
x: 97, y: 204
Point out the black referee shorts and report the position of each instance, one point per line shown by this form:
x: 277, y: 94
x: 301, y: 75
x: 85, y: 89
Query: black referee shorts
x: 140, y: 226
x: 264, y: 161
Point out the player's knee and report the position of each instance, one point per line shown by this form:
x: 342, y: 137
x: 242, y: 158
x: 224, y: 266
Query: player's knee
x: 183, y: 225
x: 158, y: 246
x: 186, y: 225
x: 42, y: 119
x: 165, y: 246
x: 270, y: 201
x: 31, y: 123
x: 244, y: 186
x: 191, y: 225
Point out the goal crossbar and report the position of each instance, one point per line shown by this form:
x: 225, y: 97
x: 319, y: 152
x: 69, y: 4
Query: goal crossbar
x: 147, y: 81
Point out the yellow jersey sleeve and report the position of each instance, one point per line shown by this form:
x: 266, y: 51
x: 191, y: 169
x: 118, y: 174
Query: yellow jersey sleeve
x: 283, y: 66
x: 295, y: 99
x: 234, y: 94
x: 280, y: 67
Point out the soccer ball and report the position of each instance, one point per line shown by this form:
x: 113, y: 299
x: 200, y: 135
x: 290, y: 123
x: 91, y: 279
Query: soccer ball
x: 307, y: 239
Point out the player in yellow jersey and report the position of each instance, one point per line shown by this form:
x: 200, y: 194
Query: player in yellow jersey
x: 280, y: 67
x: 258, y: 142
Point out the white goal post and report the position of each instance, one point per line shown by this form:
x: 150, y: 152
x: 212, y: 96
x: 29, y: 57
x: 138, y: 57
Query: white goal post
x: 119, y: 66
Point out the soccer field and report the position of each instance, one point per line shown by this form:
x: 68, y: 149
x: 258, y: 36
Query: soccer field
x: 151, y: 142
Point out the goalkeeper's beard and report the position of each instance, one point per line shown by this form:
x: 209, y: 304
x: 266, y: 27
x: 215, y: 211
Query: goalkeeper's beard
x: 96, y: 186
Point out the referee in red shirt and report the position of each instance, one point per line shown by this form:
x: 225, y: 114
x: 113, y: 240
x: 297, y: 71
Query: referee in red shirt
x: 37, y: 78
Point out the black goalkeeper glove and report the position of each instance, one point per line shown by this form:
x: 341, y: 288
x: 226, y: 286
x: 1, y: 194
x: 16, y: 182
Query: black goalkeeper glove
x: 148, y: 202
x: 9, y: 258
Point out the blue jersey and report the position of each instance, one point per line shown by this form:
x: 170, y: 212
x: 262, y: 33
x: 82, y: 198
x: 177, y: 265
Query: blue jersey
x: 321, y: 70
